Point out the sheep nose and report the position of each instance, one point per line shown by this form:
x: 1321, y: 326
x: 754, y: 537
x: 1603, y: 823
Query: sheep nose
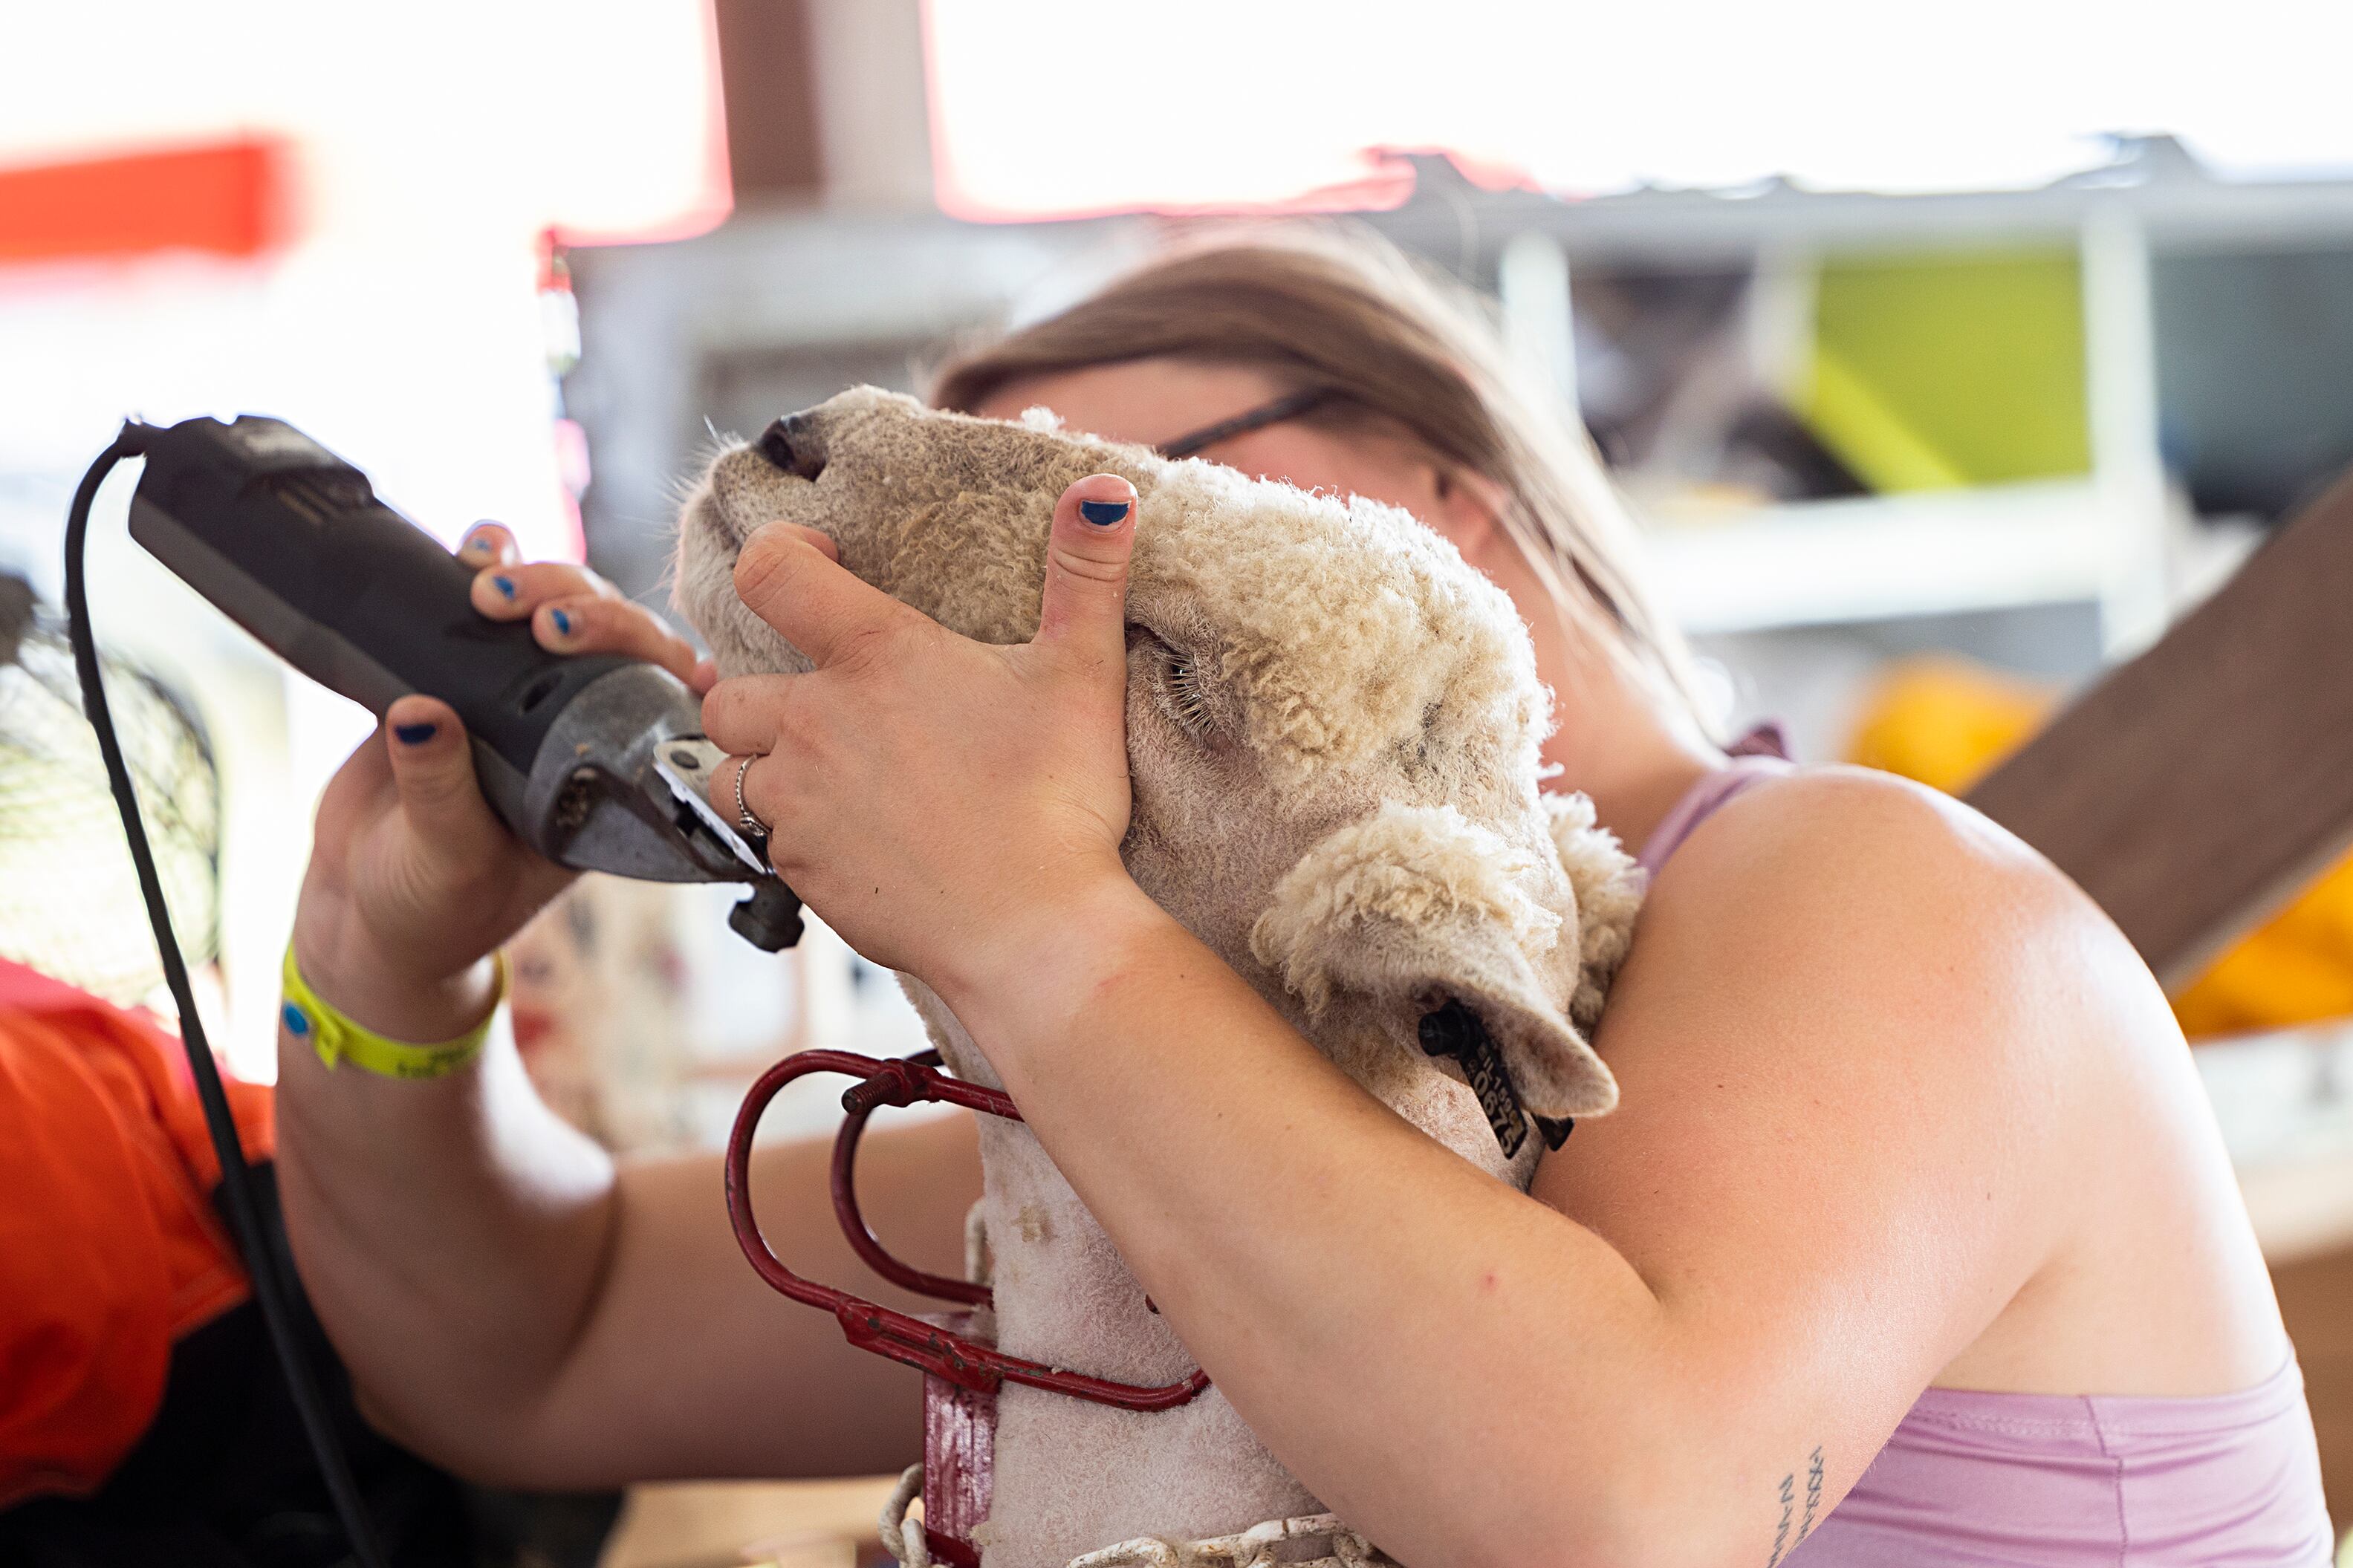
x: 793, y: 444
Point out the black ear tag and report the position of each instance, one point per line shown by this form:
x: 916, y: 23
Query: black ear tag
x: 1453, y: 1030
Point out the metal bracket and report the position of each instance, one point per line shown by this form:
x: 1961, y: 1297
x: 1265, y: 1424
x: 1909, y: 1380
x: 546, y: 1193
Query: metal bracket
x: 910, y: 1341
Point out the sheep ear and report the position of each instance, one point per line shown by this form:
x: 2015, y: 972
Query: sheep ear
x: 1418, y: 910
x: 1486, y: 1001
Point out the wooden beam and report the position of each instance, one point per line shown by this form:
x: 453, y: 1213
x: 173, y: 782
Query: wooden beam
x: 2196, y: 787
x: 767, y: 78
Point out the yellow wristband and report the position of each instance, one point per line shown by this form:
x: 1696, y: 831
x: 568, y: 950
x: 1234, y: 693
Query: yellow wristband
x: 338, y: 1040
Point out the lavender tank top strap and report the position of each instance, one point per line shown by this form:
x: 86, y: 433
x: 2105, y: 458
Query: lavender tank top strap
x: 1756, y: 756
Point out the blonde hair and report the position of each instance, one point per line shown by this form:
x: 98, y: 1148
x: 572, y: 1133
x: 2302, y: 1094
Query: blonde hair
x: 1391, y: 347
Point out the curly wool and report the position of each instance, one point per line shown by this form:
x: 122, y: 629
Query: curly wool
x: 1419, y: 867
x: 1609, y: 886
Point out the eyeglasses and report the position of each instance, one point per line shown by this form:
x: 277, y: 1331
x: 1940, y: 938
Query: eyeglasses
x: 1289, y: 407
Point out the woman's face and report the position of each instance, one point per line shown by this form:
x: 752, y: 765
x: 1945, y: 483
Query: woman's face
x: 1152, y: 402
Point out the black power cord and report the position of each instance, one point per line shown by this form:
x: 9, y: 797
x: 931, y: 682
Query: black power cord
x: 271, y: 1290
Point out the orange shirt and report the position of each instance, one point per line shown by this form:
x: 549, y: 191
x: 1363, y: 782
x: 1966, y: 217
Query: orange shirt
x: 110, y: 1245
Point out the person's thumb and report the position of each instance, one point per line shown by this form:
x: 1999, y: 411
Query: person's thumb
x: 433, y: 771
x: 1084, y: 611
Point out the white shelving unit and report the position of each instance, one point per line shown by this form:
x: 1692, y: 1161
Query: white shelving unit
x: 2116, y: 540
x: 1869, y: 557
x: 2103, y: 539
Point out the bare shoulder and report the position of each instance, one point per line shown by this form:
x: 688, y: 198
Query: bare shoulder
x: 1852, y: 997
x: 1880, y: 1063
x: 1851, y: 820
x: 1836, y: 873
x: 1844, y: 913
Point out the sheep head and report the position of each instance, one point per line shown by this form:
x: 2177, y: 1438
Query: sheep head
x: 1333, y: 726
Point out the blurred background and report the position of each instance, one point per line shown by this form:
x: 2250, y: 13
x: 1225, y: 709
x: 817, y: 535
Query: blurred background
x: 1948, y: 356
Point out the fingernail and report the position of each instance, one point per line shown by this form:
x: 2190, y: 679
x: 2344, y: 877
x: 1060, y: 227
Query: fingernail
x: 478, y: 544
x: 1103, y: 513
x: 563, y: 622
x: 416, y: 735
x: 505, y: 585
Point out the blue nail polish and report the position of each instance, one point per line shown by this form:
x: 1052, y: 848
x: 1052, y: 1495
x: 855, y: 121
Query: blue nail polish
x: 563, y: 622
x: 505, y: 585
x: 416, y: 735
x: 297, y: 1023
x: 1103, y: 513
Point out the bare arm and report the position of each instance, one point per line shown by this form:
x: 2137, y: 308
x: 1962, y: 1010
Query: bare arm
x: 515, y: 1305
x: 1748, y: 1271
x: 698, y: 1369
x: 508, y: 1300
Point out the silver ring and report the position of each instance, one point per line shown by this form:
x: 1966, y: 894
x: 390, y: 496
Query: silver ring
x: 743, y: 817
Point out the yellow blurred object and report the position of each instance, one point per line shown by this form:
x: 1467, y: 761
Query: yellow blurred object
x: 2296, y: 969
x: 1946, y: 722
x: 1934, y: 372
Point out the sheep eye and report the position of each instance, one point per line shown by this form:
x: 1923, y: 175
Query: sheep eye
x: 1182, y: 693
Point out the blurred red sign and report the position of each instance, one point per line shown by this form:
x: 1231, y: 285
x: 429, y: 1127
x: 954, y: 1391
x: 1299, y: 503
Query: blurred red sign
x: 227, y: 198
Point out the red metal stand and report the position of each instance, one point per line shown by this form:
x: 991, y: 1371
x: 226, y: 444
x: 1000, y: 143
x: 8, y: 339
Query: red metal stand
x: 934, y: 1349
x: 961, y: 1374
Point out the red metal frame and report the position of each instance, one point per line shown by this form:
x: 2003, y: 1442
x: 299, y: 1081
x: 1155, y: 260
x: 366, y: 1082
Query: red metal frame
x: 862, y: 1100
x: 914, y: 1342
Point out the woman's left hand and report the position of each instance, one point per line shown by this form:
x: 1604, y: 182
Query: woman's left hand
x: 939, y: 801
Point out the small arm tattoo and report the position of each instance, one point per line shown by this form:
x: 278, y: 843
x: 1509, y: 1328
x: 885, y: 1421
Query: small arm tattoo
x: 1783, y: 1541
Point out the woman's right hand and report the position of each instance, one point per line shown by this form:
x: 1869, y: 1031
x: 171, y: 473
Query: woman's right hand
x: 413, y: 881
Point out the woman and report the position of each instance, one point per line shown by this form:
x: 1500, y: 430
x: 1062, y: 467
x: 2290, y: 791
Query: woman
x: 1909, y: 1157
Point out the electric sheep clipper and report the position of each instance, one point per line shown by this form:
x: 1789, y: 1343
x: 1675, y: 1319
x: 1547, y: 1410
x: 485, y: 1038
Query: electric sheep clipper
x: 597, y: 761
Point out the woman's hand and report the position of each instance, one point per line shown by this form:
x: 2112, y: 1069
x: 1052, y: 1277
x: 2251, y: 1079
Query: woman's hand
x: 939, y: 801
x: 413, y: 881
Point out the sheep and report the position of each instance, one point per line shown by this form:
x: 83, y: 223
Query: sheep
x: 1332, y: 728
